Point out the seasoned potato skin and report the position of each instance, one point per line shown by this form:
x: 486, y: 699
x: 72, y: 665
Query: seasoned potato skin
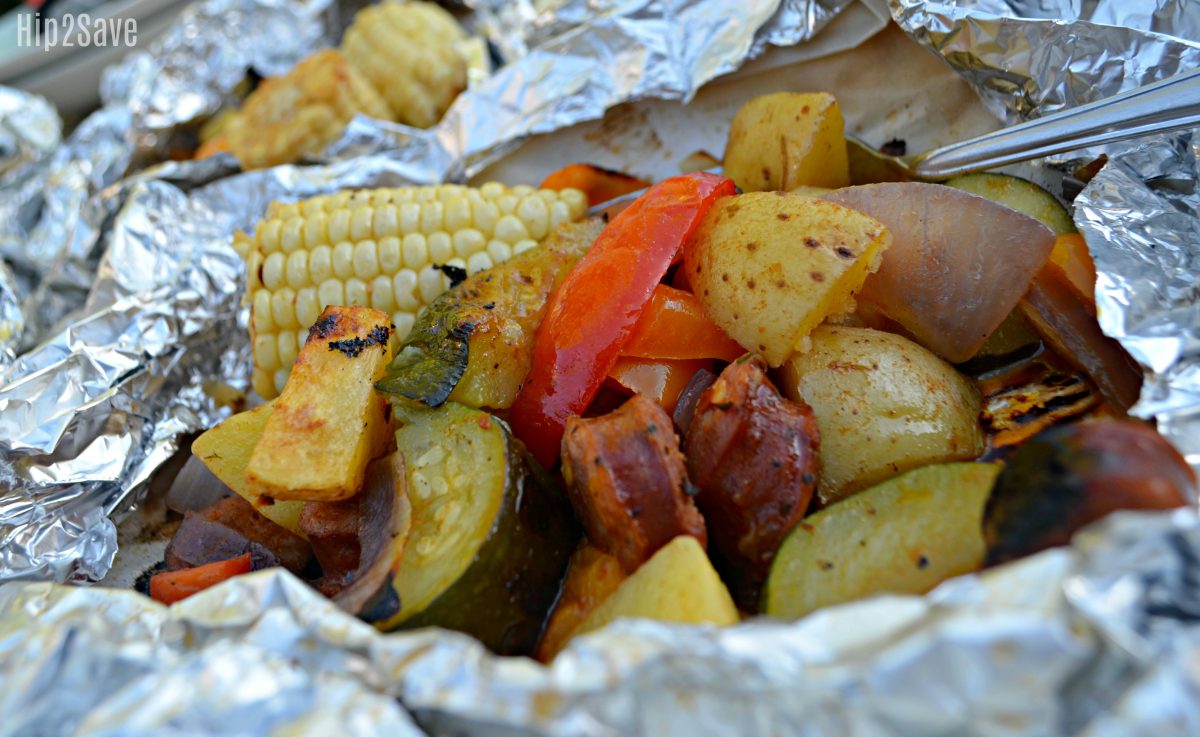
x: 787, y: 140
x: 1071, y: 475
x: 753, y: 455
x: 626, y: 480
x: 884, y: 405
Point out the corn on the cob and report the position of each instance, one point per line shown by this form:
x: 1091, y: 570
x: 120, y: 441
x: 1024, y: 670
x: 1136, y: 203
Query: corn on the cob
x: 300, y: 113
x: 378, y: 248
x: 409, y: 52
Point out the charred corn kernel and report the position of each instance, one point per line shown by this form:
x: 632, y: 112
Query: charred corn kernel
x: 297, y: 269
x: 297, y: 115
x: 389, y: 255
x: 441, y: 248
x: 308, y: 306
x: 378, y: 248
x: 522, y: 246
x: 366, y: 259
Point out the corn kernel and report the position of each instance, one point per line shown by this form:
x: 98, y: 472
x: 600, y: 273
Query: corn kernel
x: 291, y: 235
x: 254, y: 265
x: 320, y: 264
x: 266, y: 356
x: 535, y: 214
x: 510, y: 230
x: 441, y: 248
x: 500, y: 251
x: 366, y: 259
x: 492, y: 190
x: 389, y: 255
x: 283, y: 308
x: 550, y: 196
x: 331, y: 292
x: 404, y: 285
x: 261, y: 310
x: 507, y: 204
x: 522, y: 246
x: 486, y: 215
x: 432, y: 217
x: 387, y: 221
x: 560, y: 213
x: 316, y: 230
x: 297, y: 269
x: 281, y: 377
x: 356, y: 292
x: 410, y: 217
x: 404, y: 322
x: 416, y: 252
x: 468, y: 241
x: 381, y: 293
x: 273, y: 270
x: 288, y: 210
x: 478, y: 262
x: 458, y: 214
x: 264, y: 383
x: 308, y: 307
x: 431, y: 283
x: 339, y: 225
x: 286, y: 345
x: 343, y: 260
x: 361, y: 223
x: 268, y: 235
x: 576, y: 200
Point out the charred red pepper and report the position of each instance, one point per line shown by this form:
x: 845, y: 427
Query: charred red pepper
x: 592, y: 314
x: 674, y: 326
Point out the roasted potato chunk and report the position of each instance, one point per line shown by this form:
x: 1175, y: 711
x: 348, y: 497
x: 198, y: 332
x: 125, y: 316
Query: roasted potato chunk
x: 626, y: 480
x: 753, y: 455
x: 884, y: 405
x: 329, y: 422
x: 770, y: 267
x: 787, y: 140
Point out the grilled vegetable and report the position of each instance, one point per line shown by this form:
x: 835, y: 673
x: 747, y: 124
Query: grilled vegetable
x: 591, y: 578
x: 884, y: 405
x: 674, y: 326
x: 1019, y: 194
x: 626, y: 480
x: 600, y: 185
x: 410, y: 52
x: 677, y: 585
x: 903, y: 536
x: 329, y: 422
x: 662, y: 380
x: 958, y: 264
x: 753, y: 456
x: 379, y: 248
x: 770, y: 267
x: 226, y: 450
x: 1071, y: 475
x: 474, y: 343
x: 787, y: 140
x: 172, y: 586
x: 287, y: 118
x: 490, y: 535
x: 592, y: 314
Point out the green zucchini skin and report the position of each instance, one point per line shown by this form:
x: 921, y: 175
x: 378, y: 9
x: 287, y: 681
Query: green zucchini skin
x: 504, y: 596
x: 474, y: 343
x: 1019, y: 194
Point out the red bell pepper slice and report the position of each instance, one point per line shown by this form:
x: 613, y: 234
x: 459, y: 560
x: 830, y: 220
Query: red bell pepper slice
x: 169, y: 587
x: 592, y: 314
x: 674, y: 325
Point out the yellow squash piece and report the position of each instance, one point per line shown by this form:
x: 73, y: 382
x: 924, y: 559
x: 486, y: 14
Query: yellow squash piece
x: 787, y: 140
x: 329, y: 422
x: 903, y: 536
x: 226, y: 449
x: 678, y: 584
x: 771, y: 266
x: 380, y: 248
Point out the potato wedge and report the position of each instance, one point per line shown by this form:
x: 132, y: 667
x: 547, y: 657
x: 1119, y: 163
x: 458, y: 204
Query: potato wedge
x: 903, y: 536
x: 787, y: 140
x: 883, y: 405
x: 329, y: 422
x: 225, y: 450
x: 770, y: 267
x: 678, y: 584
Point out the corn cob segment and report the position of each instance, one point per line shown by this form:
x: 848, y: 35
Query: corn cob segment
x: 379, y: 248
x: 303, y: 111
x: 410, y: 52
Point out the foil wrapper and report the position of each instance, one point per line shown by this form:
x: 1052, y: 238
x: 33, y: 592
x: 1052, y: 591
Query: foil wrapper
x: 1141, y: 214
x: 139, y: 292
x: 1097, y: 639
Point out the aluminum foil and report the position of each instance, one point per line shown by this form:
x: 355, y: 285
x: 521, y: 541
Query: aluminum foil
x: 1141, y: 214
x: 1098, y: 639
x: 138, y: 291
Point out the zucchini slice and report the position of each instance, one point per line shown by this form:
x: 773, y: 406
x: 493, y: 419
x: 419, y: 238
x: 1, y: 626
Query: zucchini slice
x: 489, y: 535
x: 474, y: 343
x: 1019, y: 194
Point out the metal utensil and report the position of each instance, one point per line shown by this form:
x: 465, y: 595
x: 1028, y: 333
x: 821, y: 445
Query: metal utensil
x: 1171, y: 104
